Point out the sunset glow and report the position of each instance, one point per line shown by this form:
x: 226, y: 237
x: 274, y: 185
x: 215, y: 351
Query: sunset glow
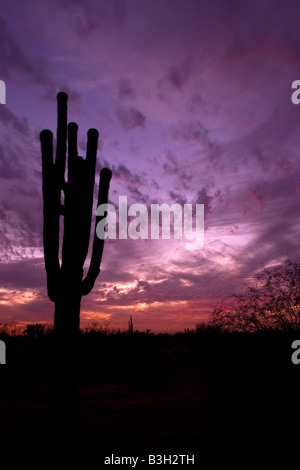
x: 193, y: 106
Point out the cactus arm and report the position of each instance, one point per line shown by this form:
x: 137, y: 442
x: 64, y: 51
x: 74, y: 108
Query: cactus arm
x: 94, y: 268
x: 79, y: 193
x: 51, y: 210
x: 61, y: 137
x: 53, y: 182
x: 90, y: 167
x: 72, y: 149
x: 71, y: 197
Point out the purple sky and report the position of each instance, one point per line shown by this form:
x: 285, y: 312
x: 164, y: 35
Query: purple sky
x: 192, y: 100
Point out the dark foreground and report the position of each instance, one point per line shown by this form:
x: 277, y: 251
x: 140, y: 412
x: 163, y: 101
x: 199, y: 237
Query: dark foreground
x: 203, y: 394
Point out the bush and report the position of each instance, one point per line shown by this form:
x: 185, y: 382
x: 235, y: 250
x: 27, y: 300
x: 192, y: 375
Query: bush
x: 272, y: 303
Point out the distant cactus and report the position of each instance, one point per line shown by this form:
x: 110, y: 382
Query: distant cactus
x: 130, y: 325
x: 65, y: 281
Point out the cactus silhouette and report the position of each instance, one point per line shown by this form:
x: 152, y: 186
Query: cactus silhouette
x: 65, y: 282
x: 130, y: 325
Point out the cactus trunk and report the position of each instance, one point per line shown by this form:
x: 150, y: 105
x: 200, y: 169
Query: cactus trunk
x: 67, y: 310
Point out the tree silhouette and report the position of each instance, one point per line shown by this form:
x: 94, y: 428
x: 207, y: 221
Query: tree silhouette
x: 272, y: 303
x: 65, y: 282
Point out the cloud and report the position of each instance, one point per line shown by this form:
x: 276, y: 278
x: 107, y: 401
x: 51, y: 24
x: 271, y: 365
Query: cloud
x: 178, y: 75
x: 178, y: 198
x: 204, y: 198
x: 122, y: 172
x: 262, y: 159
x: 17, y: 123
x: 173, y: 167
x: 23, y: 274
x: 74, y: 96
x: 92, y: 16
x: 9, y: 164
x: 17, y: 61
x: 194, y: 103
x: 130, y: 118
x: 126, y: 90
x: 140, y: 197
x: 259, y: 192
x: 191, y: 131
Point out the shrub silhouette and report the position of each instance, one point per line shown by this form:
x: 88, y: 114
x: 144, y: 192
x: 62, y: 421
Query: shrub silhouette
x: 36, y: 330
x: 272, y: 303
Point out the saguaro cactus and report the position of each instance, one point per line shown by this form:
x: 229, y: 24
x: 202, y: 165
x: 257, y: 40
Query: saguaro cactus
x: 65, y: 282
x: 130, y: 325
